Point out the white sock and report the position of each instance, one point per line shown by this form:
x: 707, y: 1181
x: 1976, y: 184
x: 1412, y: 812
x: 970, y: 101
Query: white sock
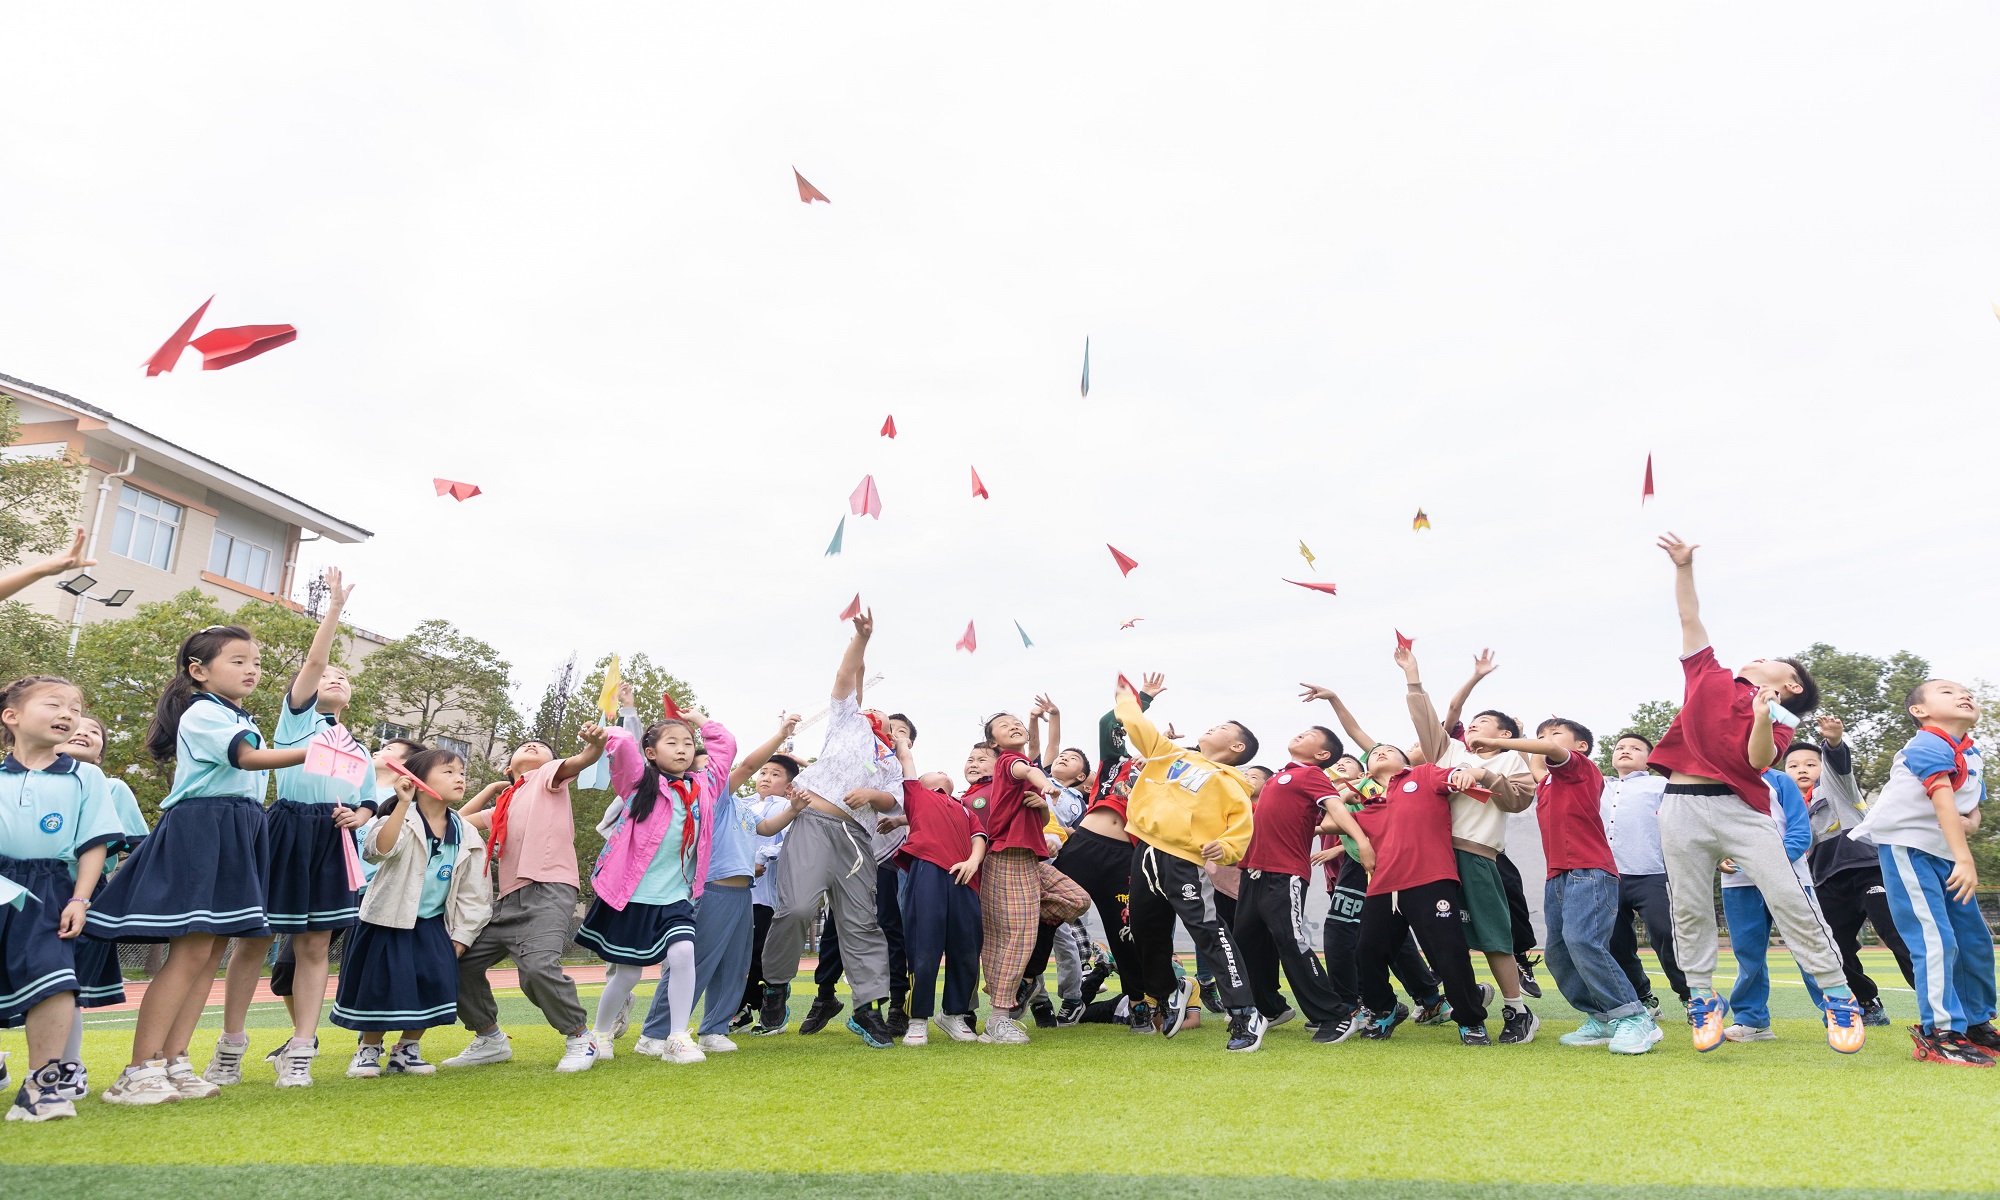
x: 619, y: 980
x: 1513, y: 1002
x: 680, y: 984
x: 73, y: 1049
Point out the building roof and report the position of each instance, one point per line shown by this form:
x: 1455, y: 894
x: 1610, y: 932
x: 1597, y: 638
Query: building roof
x: 234, y: 484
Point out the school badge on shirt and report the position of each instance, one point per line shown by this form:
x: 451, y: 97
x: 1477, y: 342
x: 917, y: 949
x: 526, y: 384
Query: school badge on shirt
x: 52, y: 823
x: 444, y: 872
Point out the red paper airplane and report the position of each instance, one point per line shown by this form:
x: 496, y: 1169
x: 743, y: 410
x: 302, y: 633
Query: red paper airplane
x: 970, y: 642
x: 889, y: 427
x: 240, y: 343
x: 1317, y: 587
x: 668, y: 706
x: 1648, y: 491
x: 1129, y: 624
x: 1125, y: 561
x: 404, y: 771
x: 978, y: 488
x: 866, y: 499
x: 1127, y: 685
x: 807, y: 192
x: 853, y: 608
x: 169, y: 353
x: 1404, y: 643
x: 457, y: 491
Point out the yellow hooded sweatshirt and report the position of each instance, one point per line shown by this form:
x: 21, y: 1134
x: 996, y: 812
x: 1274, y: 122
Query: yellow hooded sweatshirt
x: 1182, y: 801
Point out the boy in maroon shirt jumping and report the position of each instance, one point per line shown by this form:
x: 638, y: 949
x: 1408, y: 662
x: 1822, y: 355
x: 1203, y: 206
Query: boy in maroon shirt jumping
x: 1732, y: 727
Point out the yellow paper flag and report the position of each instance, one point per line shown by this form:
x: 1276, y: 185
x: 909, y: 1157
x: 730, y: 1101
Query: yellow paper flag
x: 607, y: 700
x: 1306, y: 554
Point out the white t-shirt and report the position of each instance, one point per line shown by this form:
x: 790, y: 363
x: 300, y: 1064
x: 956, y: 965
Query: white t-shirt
x: 854, y: 758
x: 1480, y: 821
x: 1903, y: 814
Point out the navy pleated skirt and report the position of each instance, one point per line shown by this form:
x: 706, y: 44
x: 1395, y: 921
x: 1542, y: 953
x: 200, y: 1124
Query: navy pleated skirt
x: 99, y: 976
x: 638, y: 934
x: 397, y: 978
x: 35, y: 963
x: 307, y: 887
x: 201, y: 871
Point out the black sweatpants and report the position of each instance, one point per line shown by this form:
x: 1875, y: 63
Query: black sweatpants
x: 889, y: 915
x: 1848, y: 899
x: 1165, y: 887
x: 1430, y: 911
x: 1270, y: 929
x: 1517, y: 904
x: 1102, y: 867
x: 760, y: 926
x: 1263, y: 976
x: 1343, y: 932
x: 1645, y: 896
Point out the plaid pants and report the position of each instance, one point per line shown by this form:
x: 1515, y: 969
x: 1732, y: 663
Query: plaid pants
x: 1018, y: 893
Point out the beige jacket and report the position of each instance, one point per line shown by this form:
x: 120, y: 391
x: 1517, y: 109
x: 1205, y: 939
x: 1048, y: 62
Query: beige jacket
x: 1486, y: 820
x: 393, y: 895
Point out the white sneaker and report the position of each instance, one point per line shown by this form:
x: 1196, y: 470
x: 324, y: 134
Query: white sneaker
x: 180, y: 1073
x: 75, y: 1082
x: 1005, y: 1030
x: 682, y: 1049
x: 1749, y: 1033
x: 295, y: 1065
x: 141, y: 1085
x: 482, y: 1050
x: 367, y: 1062
x: 918, y: 1035
x: 651, y: 1047
x: 715, y: 1043
x: 624, y: 1021
x: 38, y: 1099
x: 579, y: 1054
x: 408, y: 1059
x: 603, y: 1043
x: 956, y: 1026
x: 225, y: 1066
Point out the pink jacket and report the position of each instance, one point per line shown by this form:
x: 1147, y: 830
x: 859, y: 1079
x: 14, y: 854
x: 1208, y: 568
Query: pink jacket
x: 631, y: 847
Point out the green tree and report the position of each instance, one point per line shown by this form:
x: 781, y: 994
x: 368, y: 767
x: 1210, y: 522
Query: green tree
x: 39, y: 497
x: 1867, y: 694
x: 440, y: 682
x: 1649, y: 721
x: 31, y: 642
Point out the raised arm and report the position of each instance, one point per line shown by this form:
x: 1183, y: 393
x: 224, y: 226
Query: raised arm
x: 1763, y: 744
x: 1139, y: 729
x: 760, y: 755
x: 593, y: 736
x: 306, y: 686
x: 1482, y: 666
x: 847, y: 680
x: 1348, y: 725
x: 1431, y: 735
x: 20, y: 577
x: 1693, y: 636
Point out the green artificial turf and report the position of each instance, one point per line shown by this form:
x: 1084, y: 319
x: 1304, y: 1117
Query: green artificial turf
x: 1091, y: 1110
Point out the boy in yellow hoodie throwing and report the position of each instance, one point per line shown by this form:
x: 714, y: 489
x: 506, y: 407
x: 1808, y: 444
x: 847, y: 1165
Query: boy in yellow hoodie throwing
x: 1187, y: 807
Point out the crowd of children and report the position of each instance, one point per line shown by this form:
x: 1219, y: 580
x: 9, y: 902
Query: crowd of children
x: 721, y: 887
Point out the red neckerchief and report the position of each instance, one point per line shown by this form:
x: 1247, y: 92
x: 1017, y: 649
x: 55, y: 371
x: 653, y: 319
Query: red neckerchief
x: 1958, y: 749
x: 499, y: 822
x: 690, y: 812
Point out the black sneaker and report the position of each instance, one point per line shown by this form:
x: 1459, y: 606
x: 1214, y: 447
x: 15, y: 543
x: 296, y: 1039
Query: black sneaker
x: 867, y: 1021
x: 1380, y: 1027
x: 1339, y: 1031
x: 896, y: 1019
x: 1528, y: 966
x: 824, y: 1009
x: 1045, y: 1013
x: 1174, y: 1014
x: 1071, y: 1013
x: 743, y: 1017
x: 1518, y: 1026
x: 776, y: 1011
x: 1141, y: 1018
x: 1246, y: 1030
x: 1872, y: 1013
x: 1951, y: 1046
x: 1211, y: 996
x: 1473, y: 1035
x: 1652, y: 1004
x: 1093, y: 979
x: 1433, y: 1011
x: 1981, y: 1035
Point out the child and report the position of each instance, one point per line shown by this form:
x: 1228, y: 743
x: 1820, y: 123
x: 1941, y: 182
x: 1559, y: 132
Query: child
x: 1187, y: 807
x: 1580, y: 897
x: 1718, y: 806
x: 1919, y: 826
x: 1019, y: 891
x: 653, y: 868
x: 1414, y: 889
x: 1749, y: 918
x: 1630, y: 809
x: 775, y: 796
x: 425, y: 907
x: 199, y: 878
x: 829, y: 852
x: 56, y: 820
x: 100, y: 977
x: 941, y: 920
x: 1271, y: 901
x: 1846, y: 872
x: 1070, y: 941
x: 532, y: 837
x: 307, y: 895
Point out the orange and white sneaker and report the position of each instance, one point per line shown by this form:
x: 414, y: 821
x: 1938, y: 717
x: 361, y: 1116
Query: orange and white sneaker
x: 1844, y: 1031
x: 1709, y: 1015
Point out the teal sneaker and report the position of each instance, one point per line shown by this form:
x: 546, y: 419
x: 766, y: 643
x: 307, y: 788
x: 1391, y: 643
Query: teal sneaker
x: 1634, y: 1034
x: 1592, y: 1032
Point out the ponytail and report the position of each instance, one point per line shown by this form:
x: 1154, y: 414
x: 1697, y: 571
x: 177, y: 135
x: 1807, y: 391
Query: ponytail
x: 163, y: 736
x: 648, y: 792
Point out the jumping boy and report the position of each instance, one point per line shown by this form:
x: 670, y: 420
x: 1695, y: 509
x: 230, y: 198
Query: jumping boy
x: 1717, y: 805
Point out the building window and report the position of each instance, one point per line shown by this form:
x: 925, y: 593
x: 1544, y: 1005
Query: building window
x: 246, y: 562
x: 462, y: 749
x: 387, y: 731
x: 146, y: 528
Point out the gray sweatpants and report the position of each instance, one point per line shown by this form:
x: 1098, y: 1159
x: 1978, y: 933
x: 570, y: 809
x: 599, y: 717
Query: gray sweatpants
x: 834, y: 857
x: 1069, y: 960
x: 531, y: 925
x: 1697, y: 832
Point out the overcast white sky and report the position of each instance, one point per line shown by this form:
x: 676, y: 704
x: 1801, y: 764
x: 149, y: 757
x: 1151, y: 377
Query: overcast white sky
x: 1336, y: 262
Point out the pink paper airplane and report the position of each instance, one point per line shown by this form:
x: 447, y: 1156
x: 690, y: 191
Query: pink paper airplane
x: 970, y: 642
x: 1125, y: 562
x: 866, y: 499
x: 334, y: 752
x: 853, y: 608
x: 1317, y: 587
x: 169, y: 353
x: 240, y: 343
x: 889, y: 427
x: 460, y: 492
x: 978, y: 488
x: 807, y: 192
x: 1404, y: 643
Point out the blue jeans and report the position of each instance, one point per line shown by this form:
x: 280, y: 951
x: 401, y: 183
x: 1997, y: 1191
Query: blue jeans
x: 1580, y: 907
x: 1750, y: 940
x: 1948, y: 939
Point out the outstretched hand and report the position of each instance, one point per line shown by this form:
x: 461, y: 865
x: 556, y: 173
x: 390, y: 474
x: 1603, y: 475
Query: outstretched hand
x: 864, y: 625
x: 1314, y: 692
x: 1681, y: 552
x: 1483, y: 664
x: 1152, y: 684
x: 73, y: 558
x: 1831, y: 730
